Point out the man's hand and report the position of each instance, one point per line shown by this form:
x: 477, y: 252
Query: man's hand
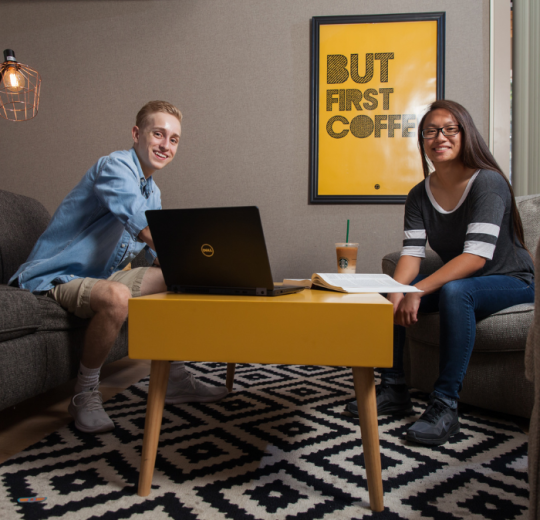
x: 407, y: 312
x: 156, y: 262
x: 146, y: 237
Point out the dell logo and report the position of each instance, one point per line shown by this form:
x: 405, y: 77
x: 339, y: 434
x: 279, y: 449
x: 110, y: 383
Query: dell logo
x: 207, y: 250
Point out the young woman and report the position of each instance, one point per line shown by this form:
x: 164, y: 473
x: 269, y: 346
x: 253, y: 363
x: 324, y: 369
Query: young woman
x: 466, y: 210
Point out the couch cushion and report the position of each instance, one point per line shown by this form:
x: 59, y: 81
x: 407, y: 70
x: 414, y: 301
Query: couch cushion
x: 20, y: 313
x: 54, y: 317
x: 503, y: 331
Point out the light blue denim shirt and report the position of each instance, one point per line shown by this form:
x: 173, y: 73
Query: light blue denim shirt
x: 93, y: 233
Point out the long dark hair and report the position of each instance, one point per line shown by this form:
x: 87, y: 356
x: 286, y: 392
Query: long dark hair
x: 474, y: 152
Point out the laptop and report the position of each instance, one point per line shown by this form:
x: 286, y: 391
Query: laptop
x: 214, y: 251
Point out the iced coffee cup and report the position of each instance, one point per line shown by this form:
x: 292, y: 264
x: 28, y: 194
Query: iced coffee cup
x: 346, y: 257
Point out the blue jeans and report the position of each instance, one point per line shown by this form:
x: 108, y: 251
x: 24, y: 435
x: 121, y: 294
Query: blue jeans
x: 460, y: 303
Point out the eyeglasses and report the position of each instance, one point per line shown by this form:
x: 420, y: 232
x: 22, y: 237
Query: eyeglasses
x: 447, y: 131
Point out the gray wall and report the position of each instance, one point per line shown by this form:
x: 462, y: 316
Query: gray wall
x: 239, y: 71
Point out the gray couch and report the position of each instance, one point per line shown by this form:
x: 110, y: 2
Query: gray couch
x: 495, y: 379
x: 40, y: 343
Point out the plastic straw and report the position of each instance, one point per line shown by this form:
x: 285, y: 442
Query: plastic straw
x: 347, y: 241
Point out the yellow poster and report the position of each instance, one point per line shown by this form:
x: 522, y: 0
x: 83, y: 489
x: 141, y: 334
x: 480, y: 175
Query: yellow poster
x: 375, y: 81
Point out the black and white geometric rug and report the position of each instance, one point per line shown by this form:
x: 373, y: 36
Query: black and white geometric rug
x: 278, y: 447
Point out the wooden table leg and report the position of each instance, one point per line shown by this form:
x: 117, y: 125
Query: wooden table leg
x: 364, y: 386
x: 231, y: 367
x: 159, y: 377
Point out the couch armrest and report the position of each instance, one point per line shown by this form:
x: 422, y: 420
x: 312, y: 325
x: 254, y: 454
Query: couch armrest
x: 429, y: 264
x: 389, y: 263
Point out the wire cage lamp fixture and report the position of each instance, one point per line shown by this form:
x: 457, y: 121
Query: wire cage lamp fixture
x: 19, y: 89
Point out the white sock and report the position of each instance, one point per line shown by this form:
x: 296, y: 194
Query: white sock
x: 87, y: 378
x: 177, y: 371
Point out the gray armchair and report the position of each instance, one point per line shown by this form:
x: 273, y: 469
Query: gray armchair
x: 495, y: 379
x: 532, y: 370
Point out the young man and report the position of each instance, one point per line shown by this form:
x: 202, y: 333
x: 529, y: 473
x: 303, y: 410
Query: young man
x: 95, y: 232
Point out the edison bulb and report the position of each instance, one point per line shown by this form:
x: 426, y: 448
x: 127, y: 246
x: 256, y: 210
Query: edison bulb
x: 13, y: 79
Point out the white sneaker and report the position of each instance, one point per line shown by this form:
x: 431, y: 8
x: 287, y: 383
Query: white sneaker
x: 87, y: 410
x: 191, y: 390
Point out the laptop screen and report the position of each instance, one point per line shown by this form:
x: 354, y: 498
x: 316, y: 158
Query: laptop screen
x: 211, y: 247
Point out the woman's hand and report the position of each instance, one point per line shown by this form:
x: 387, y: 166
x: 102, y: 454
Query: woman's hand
x: 407, y: 311
x: 395, y: 300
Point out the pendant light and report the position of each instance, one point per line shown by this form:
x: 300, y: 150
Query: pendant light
x: 19, y: 89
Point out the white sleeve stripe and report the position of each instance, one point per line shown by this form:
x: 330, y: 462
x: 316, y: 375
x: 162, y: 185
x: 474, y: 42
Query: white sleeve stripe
x: 482, y: 249
x: 418, y: 251
x: 484, y: 228
x: 415, y: 233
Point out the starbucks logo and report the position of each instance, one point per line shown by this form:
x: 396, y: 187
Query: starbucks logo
x: 207, y: 250
x: 343, y: 263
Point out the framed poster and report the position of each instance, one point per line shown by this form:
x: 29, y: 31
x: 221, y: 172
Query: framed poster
x: 372, y: 80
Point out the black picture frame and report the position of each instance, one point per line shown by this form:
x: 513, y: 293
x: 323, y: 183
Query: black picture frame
x: 317, y: 22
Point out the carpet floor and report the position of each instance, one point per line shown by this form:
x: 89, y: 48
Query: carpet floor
x: 278, y: 447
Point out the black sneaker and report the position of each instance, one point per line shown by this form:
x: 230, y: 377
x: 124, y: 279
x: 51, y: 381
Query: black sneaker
x: 391, y: 399
x: 436, y: 424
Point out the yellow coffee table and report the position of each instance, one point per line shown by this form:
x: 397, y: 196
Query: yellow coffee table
x: 314, y: 327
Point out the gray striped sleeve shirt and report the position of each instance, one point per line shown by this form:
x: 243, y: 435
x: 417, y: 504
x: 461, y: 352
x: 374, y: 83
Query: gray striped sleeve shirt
x: 480, y: 224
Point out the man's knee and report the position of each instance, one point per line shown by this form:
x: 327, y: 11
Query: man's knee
x: 110, y: 298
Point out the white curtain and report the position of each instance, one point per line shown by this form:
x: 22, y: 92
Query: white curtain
x: 526, y: 98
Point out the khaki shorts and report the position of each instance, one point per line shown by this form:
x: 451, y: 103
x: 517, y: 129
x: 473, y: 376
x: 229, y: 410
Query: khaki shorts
x: 75, y: 296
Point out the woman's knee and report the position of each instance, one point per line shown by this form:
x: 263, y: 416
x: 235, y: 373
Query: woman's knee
x: 454, y: 289
x: 454, y: 293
